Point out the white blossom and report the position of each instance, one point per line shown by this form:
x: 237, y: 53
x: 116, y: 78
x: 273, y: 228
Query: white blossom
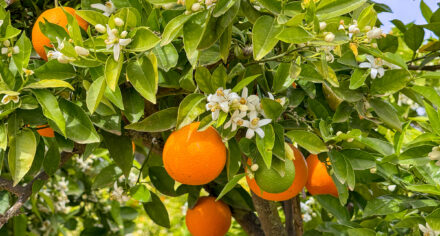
x: 428, y: 231
x: 118, y: 194
x: 6, y: 43
x: 374, y: 33
x: 281, y: 101
x: 235, y: 120
x: 7, y: 98
x: 84, y: 164
x: 392, y: 187
x: 196, y: 6
x: 28, y: 72
x: 376, y: 66
x: 434, y: 155
x: 341, y: 27
x: 254, y: 167
x: 113, y: 41
x: 15, y: 50
x: 354, y: 29
x: 254, y: 126
x: 220, y: 101
x: 108, y: 8
x: 62, y: 185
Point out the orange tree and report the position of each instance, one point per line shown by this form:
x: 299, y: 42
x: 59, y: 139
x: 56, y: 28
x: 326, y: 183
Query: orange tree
x: 282, y: 93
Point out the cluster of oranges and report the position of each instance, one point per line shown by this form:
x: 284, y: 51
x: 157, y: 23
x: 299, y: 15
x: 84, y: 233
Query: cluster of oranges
x: 196, y: 158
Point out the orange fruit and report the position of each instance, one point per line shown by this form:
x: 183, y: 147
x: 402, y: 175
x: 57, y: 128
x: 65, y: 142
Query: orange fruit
x: 45, y: 132
x: 319, y: 181
x: 55, y: 16
x: 133, y: 146
x: 298, y: 182
x: 192, y: 157
x: 294, y: 85
x: 208, y: 218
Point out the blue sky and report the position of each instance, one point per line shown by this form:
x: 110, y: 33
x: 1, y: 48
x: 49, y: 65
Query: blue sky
x: 405, y: 10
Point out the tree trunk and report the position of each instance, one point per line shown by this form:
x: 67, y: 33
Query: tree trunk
x: 269, y: 218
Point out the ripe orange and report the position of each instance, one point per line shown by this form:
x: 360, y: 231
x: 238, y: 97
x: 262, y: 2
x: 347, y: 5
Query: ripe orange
x: 45, y: 132
x: 192, y: 157
x: 298, y: 182
x: 55, y: 16
x: 208, y: 218
x: 319, y: 181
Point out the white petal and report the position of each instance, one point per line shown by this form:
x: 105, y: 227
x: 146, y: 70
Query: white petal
x: 381, y: 72
x: 124, y: 42
x: 228, y: 124
x: 215, y: 115
x: 250, y: 133
x: 264, y: 122
x: 224, y: 106
x: 234, y: 126
x: 98, y: 6
x: 373, y: 73
x: 244, y: 93
x: 110, y: 34
x: 370, y: 59
x: 246, y: 123
x: 271, y: 96
x: 365, y: 65
x: 116, y: 51
x: 260, y: 132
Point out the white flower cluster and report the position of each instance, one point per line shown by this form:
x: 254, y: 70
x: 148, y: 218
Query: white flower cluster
x: 8, y: 98
x: 240, y: 107
x: 8, y: 49
x: 118, y: 193
x: 84, y: 164
x: 306, y: 207
x: 114, y: 39
x: 434, y: 155
x: 58, y: 55
x: 428, y: 231
x: 377, y: 66
x: 353, y: 29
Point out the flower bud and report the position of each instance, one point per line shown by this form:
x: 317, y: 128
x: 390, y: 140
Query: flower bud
x: 63, y: 59
x: 124, y: 34
x: 196, y: 6
x: 5, y: 50
x: 373, y: 170
x: 115, y: 31
x: 353, y: 29
x: 15, y: 50
x: 119, y: 21
x: 81, y: 51
x: 6, y: 43
x: 254, y: 167
x: 338, y: 133
x: 329, y: 37
x: 341, y: 27
x: 209, y: 2
x: 392, y: 187
x: 100, y: 28
x: 322, y: 25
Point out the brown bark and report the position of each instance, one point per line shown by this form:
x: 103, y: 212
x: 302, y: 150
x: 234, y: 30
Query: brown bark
x: 269, y: 217
x: 297, y: 217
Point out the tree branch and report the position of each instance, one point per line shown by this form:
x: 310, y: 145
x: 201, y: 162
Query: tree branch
x: 288, y: 212
x: 248, y: 221
x: 24, y: 192
x: 297, y: 217
x: 426, y: 68
x: 269, y: 217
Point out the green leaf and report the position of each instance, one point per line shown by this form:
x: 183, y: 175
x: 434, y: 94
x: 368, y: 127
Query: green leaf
x: 272, y: 5
x: 192, y: 34
x: 282, y: 78
x: 49, y: 83
x: 121, y: 151
x: 157, y: 122
x: 359, y: 160
x: 338, y: 165
x: 203, y: 80
x: 386, y: 113
x: 51, y: 109
x: 55, y: 70
x: 361, y: 232
x: 79, y: 128
x: 144, y: 77
x: 367, y: 17
x: 222, y: 6
x: 161, y: 180
x: 93, y: 17
x: 106, y: 177
x: 134, y: 104
x: 244, y: 82
x: 143, y: 40
x: 167, y: 56
x: 191, y: 106
x: 52, y: 159
x: 307, y: 140
x: 426, y: 11
x: 433, y: 219
x: 230, y: 185
x: 3, y: 137
x: 219, y: 77
x: 266, y: 144
x: 433, y: 117
x: 112, y: 71
x: 331, y: 204
x: 271, y: 108
x: 294, y: 34
x: 157, y: 211
x: 338, y: 8
x: 414, y: 37
x: 429, y: 93
x: 95, y: 94
x: 264, y: 35
x: 424, y: 188
x: 21, y: 59
x: 140, y: 192
x: 383, y: 205
x: 216, y: 26
x: 225, y: 42
x: 358, y: 77
x: 173, y: 28
x: 390, y: 83
x: 234, y: 158
x: 22, y: 148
